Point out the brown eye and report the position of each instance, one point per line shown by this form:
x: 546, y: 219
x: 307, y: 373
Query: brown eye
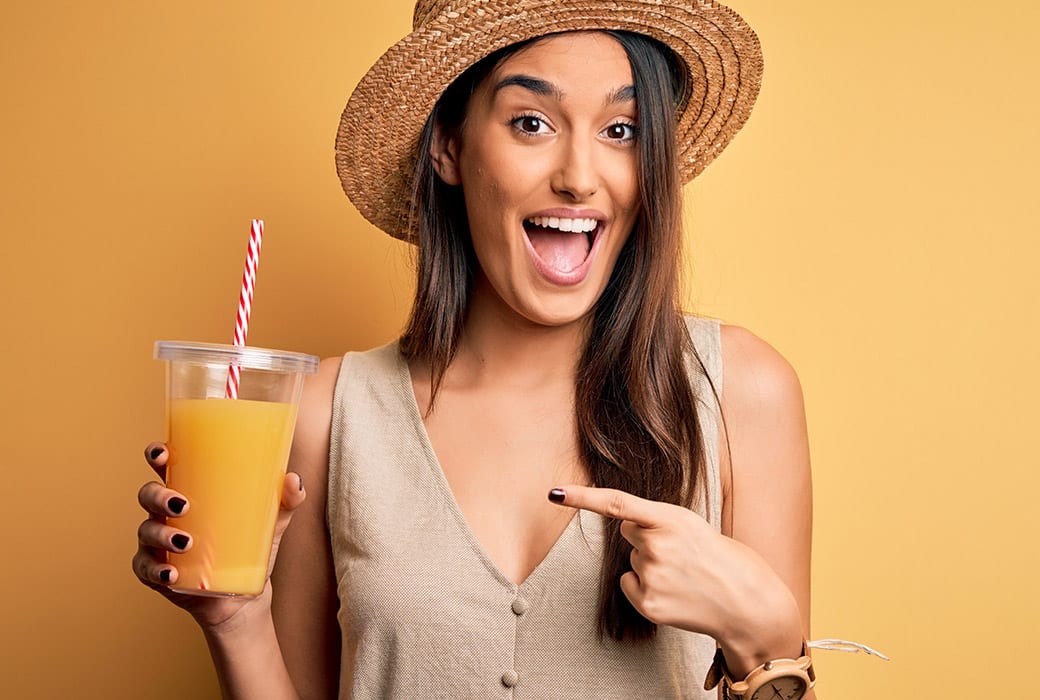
x: 620, y: 132
x: 530, y: 125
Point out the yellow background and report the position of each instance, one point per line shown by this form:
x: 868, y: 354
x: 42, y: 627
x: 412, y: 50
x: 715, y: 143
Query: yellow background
x: 876, y: 221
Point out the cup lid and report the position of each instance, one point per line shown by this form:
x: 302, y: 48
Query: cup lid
x: 247, y: 357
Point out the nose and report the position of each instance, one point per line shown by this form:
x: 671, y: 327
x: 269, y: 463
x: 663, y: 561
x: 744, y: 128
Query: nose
x: 576, y: 176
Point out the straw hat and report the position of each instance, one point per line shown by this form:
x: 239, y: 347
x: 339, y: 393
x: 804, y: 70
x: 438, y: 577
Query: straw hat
x: 380, y: 127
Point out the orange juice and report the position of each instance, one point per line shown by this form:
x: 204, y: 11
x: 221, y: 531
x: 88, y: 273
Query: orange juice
x: 228, y: 458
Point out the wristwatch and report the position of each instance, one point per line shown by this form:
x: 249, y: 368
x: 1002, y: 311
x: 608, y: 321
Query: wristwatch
x: 779, y: 679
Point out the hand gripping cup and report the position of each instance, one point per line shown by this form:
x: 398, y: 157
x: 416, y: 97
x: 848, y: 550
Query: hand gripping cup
x: 228, y: 457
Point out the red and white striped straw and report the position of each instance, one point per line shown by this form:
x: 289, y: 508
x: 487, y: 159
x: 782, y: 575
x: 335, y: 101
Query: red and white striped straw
x: 245, y: 301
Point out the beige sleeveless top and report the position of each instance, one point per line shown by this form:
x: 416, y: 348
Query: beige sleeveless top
x: 424, y: 613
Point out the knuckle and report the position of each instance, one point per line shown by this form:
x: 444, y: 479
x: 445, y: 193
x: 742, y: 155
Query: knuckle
x: 140, y: 567
x: 650, y: 600
x: 146, y: 495
x: 654, y: 546
x: 648, y: 577
x: 616, y: 505
x: 650, y: 605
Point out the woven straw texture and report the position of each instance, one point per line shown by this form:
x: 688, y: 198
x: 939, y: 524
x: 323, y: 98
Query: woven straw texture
x: 425, y: 613
x: 380, y: 127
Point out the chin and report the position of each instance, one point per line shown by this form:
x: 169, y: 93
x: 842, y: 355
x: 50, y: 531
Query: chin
x: 558, y: 312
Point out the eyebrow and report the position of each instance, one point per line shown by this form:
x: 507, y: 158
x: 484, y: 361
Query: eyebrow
x: 544, y: 88
x: 621, y: 95
x: 536, y: 85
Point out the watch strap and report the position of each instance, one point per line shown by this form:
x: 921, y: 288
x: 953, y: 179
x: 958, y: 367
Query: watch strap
x: 718, y: 672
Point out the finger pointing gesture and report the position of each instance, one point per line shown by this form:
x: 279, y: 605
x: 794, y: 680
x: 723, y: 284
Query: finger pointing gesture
x: 674, y: 553
x: 612, y: 503
x: 686, y: 574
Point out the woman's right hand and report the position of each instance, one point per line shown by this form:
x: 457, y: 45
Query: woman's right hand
x: 158, y: 535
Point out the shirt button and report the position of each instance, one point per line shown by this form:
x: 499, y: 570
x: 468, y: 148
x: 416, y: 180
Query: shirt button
x: 520, y: 606
x: 509, y: 679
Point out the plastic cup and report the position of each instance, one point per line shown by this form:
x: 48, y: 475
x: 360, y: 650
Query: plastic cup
x: 228, y: 457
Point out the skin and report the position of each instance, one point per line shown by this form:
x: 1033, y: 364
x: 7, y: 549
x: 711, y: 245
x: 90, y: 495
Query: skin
x: 507, y: 400
x: 517, y: 319
x: 521, y: 152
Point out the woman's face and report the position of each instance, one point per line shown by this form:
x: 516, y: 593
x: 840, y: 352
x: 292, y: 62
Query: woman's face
x: 547, y: 161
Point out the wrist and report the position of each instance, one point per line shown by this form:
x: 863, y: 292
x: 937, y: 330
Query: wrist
x: 777, y: 679
x: 772, y: 631
x: 248, y: 658
x: 245, y: 624
x: 253, y: 617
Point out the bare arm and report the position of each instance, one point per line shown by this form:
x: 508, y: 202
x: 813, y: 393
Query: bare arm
x: 305, y: 602
x: 290, y: 647
x: 767, y: 485
x: 749, y: 591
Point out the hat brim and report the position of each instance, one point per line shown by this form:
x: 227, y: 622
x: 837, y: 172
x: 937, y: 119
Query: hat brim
x: 381, y: 124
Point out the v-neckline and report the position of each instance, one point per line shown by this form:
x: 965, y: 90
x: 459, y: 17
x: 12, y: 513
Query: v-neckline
x: 404, y: 377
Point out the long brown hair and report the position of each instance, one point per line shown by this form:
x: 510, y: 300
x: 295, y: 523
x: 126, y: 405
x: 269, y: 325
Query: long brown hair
x: 635, y: 411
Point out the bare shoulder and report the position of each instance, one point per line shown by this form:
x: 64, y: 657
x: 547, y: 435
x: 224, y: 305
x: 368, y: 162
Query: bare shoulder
x: 319, y: 388
x: 310, y: 451
x: 313, y: 425
x: 764, y: 454
x: 763, y: 410
x: 757, y: 376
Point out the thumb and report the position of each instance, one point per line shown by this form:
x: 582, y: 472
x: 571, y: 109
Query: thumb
x: 293, y: 494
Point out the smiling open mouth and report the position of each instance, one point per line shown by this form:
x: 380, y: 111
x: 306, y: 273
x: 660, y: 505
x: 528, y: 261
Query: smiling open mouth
x: 562, y: 244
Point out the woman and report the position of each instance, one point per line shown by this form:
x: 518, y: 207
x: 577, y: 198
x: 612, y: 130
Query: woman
x: 543, y: 147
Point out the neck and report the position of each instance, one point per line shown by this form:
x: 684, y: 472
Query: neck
x: 498, y: 345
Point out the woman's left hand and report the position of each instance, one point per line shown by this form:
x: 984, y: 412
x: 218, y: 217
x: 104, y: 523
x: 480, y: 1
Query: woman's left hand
x: 687, y: 575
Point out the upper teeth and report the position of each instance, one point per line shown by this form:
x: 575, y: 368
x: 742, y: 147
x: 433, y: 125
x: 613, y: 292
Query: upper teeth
x: 576, y: 225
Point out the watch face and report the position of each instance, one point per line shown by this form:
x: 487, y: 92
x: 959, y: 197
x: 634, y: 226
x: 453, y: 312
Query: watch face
x: 783, y: 688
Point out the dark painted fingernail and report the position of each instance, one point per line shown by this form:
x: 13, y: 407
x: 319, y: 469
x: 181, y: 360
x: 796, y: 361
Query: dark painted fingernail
x: 557, y: 495
x: 176, y: 505
x: 300, y: 477
x: 164, y: 575
x: 180, y: 541
x: 156, y: 452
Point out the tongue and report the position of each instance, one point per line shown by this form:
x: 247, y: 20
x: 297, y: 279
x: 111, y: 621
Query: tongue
x: 559, y: 249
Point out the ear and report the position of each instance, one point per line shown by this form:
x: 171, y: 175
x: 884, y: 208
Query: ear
x: 444, y: 151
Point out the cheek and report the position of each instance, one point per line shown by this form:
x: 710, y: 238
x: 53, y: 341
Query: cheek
x: 495, y: 169
x: 625, y: 180
x: 482, y: 188
x: 485, y: 195
x: 627, y: 199
x: 495, y: 185
x: 484, y: 205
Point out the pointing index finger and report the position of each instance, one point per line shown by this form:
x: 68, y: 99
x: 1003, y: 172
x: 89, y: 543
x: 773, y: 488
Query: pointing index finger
x: 609, y: 502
